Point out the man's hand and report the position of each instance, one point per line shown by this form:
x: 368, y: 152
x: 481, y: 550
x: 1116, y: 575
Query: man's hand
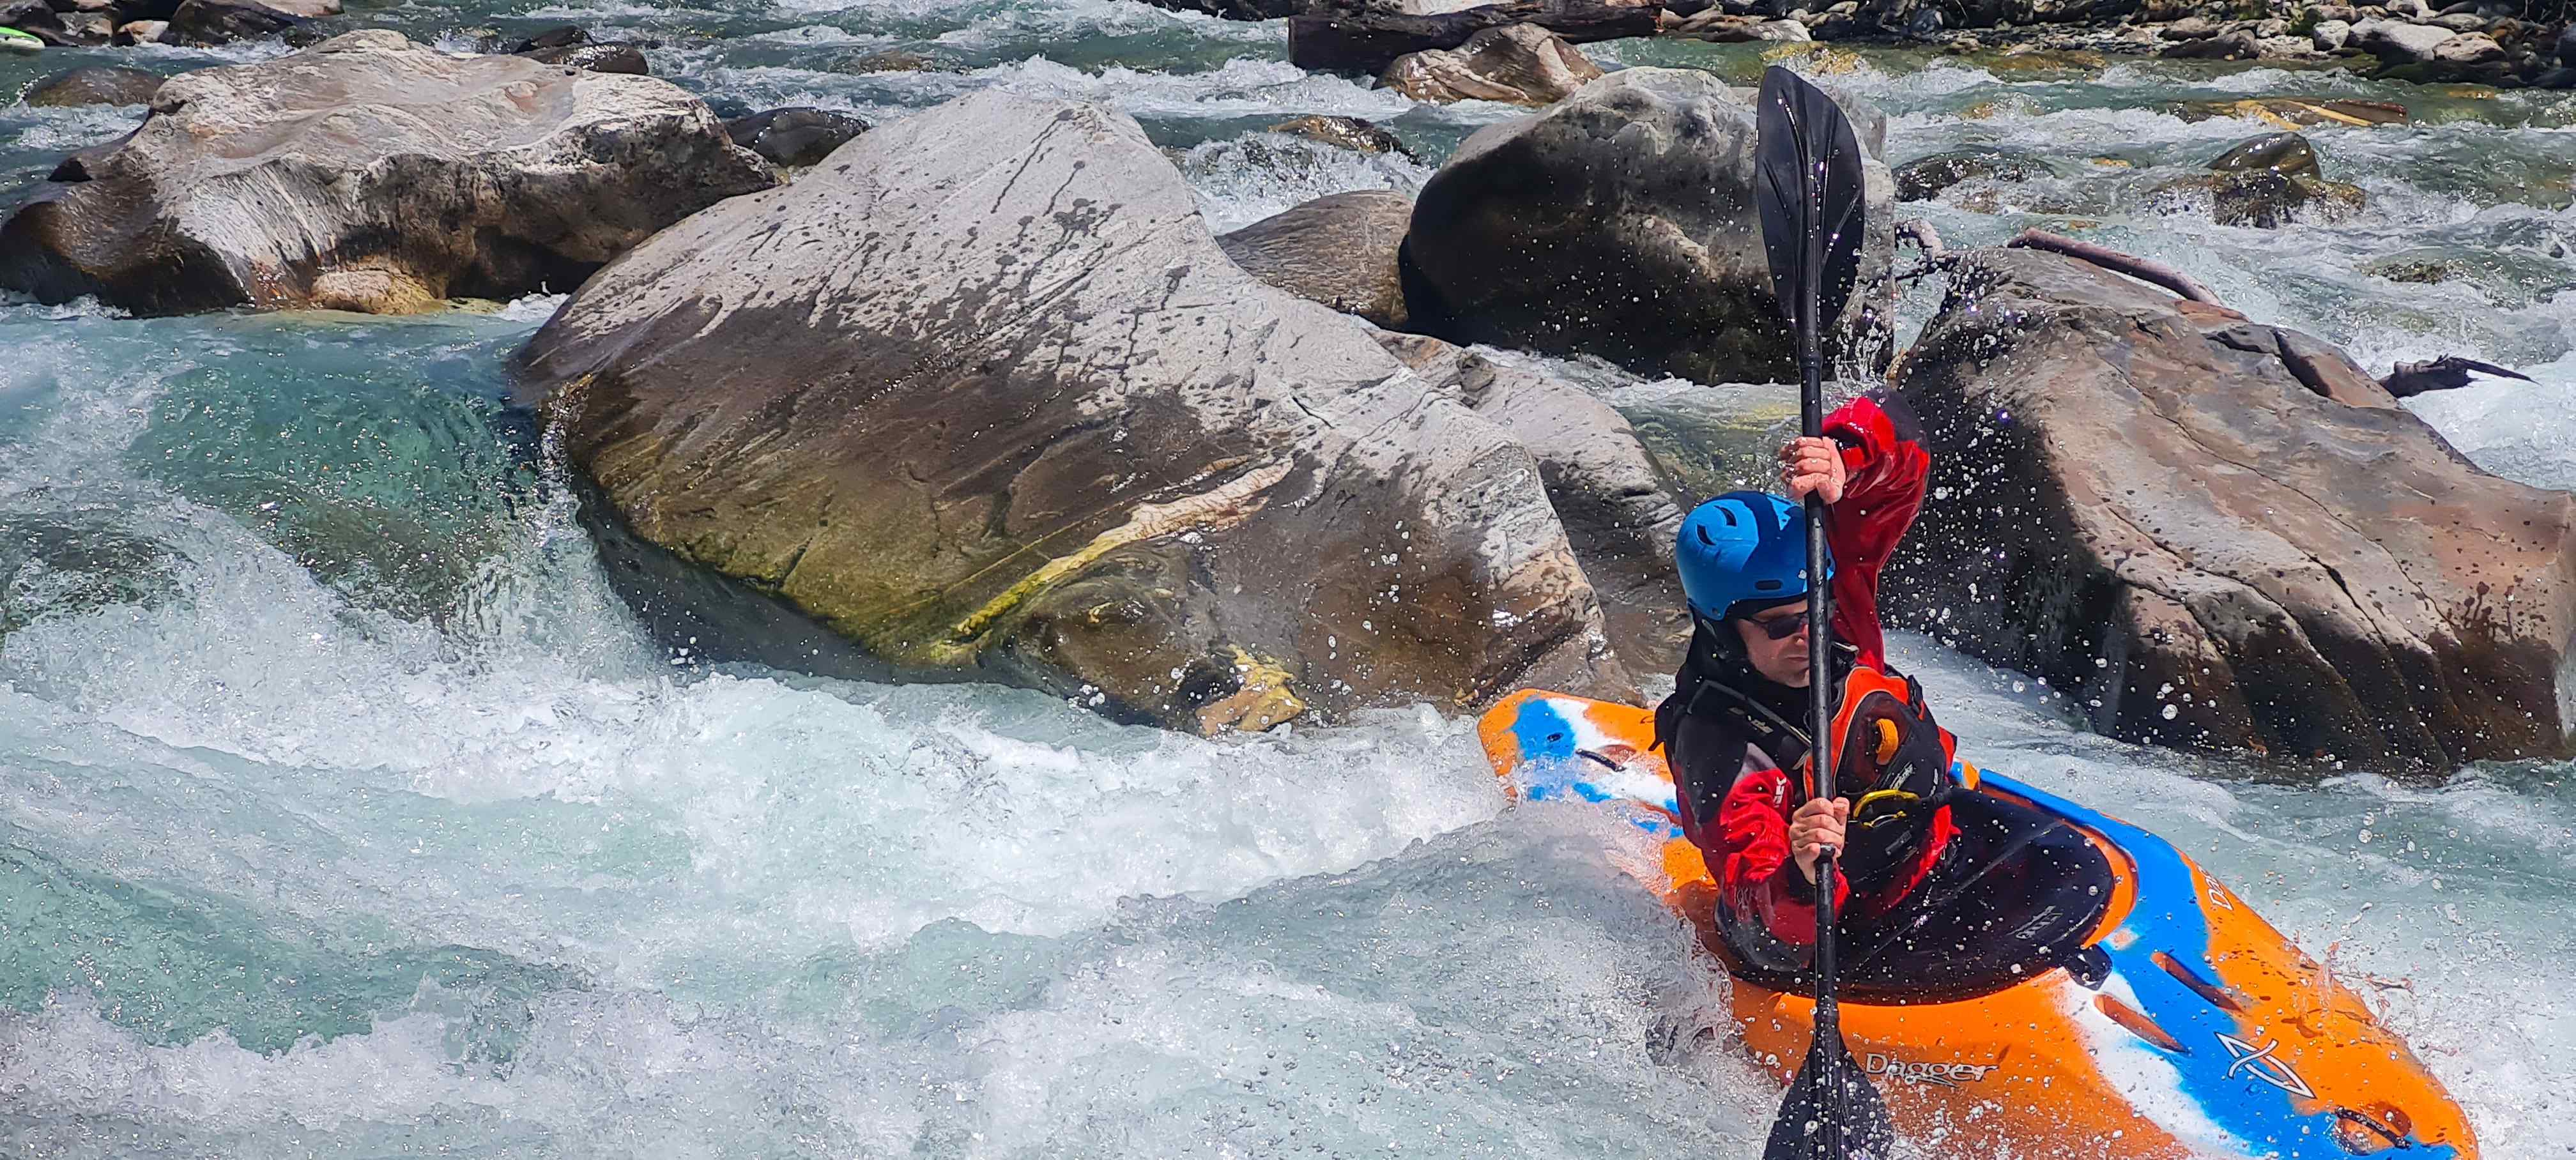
x: 1812, y: 463
x: 1817, y: 825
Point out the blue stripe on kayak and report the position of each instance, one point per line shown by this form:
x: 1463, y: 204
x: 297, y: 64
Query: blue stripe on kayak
x: 2168, y: 917
x: 1548, y: 739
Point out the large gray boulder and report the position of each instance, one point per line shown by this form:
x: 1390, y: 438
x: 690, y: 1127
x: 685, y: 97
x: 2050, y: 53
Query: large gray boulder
x: 982, y: 395
x: 2211, y: 533
x: 1621, y: 223
x: 369, y: 174
x: 1341, y: 250
x: 1618, y: 506
x: 1519, y: 64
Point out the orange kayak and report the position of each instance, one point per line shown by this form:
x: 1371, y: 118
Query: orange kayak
x: 2197, y: 1029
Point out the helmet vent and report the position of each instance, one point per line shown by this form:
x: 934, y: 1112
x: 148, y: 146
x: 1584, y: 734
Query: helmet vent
x: 1702, y: 529
x: 1767, y: 585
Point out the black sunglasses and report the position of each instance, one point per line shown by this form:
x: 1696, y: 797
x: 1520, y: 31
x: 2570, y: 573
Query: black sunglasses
x: 1781, y: 628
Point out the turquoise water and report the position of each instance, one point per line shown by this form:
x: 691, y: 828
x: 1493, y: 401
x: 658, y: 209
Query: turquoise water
x: 344, y: 812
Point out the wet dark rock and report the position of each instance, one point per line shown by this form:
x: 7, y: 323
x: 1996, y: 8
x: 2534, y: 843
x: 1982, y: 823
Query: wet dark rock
x: 2447, y: 373
x: 1344, y: 132
x: 1923, y: 178
x: 1048, y: 434
x: 795, y: 137
x: 35, y: 18
x: 560, y: 36
x: 1369, y: 40
x: 2265, y: 182
x: 1239, y: 9
x: 2261, y: 198
x: 1342, y: 250
x: 2288, y: 154
x: 211, y: 22
x: 1518, y: 64
x: 2210, y: 533
x: 370, y: 174
x: 95, y: 85
x: 1621, y: 223
x: 618, y: 58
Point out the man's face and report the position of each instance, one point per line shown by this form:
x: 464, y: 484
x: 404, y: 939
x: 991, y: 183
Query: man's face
x: 1783, y: 660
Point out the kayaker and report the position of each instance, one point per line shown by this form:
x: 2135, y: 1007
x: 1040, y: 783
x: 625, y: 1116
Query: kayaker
x: 1735, y: 730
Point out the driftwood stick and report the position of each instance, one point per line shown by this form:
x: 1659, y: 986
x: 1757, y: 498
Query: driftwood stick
x: 2141, y: 269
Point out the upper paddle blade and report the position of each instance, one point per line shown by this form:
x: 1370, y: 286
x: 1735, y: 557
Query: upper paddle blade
x: 1805, y: 153
x: 1859, y: 1126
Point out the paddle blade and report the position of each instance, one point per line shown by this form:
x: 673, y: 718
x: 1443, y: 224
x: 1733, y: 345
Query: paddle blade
x: 1818, y: 1123
x: 1807, y: 159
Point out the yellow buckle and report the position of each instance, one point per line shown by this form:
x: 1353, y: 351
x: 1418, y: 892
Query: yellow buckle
x: 1877, y: 796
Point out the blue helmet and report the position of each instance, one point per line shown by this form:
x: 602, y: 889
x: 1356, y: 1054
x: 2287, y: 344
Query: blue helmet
x: 1744, y: 545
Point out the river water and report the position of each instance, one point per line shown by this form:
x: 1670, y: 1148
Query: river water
x: 344, y: 812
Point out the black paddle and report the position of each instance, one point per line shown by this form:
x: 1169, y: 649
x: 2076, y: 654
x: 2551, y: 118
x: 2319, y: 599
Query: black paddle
x: 1809, y: 189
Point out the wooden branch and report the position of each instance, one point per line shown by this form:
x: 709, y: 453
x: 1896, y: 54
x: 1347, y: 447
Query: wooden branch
x: 1921, y: 233
x: 1368, y: 41
x: 2156, y: 273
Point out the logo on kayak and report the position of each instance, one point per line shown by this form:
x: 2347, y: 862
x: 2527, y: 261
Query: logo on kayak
x: 2260, y: 1063
x: 1944, y: 1074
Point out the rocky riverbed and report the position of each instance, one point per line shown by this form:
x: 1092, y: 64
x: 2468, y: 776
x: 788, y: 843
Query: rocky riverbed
x: 984, y: 532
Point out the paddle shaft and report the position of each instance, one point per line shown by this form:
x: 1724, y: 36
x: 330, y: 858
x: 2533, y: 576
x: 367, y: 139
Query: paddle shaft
x: 1820, y: 644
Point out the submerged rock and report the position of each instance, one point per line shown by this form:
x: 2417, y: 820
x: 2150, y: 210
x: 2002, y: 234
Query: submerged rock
x: 2288, y: 154
x: 795, y: 137
x: 2266, y: 182
x: 95, y: 85
x: 1520, y: 64
x: 368, y: 174
x: 981, y: 398
x: 618, y: 58
x: 1923, y: 178
x: 2215, y: 534
x: 1621, y: 223
x: 1343, y: 132
x: 1342, y: 250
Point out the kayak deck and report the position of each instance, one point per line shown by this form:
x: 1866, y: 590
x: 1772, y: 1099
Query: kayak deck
x: 2195, y: 1029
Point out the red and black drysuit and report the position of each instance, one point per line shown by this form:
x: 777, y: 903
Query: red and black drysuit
x: 1930, y: 907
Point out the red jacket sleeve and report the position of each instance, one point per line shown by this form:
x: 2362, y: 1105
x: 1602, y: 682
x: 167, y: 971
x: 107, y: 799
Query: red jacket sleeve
x: 1884, y: 493
x: 1749, y: 856
x: 1755, y: 875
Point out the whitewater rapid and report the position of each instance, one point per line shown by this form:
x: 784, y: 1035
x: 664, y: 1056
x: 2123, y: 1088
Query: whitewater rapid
x: 344, y: 812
